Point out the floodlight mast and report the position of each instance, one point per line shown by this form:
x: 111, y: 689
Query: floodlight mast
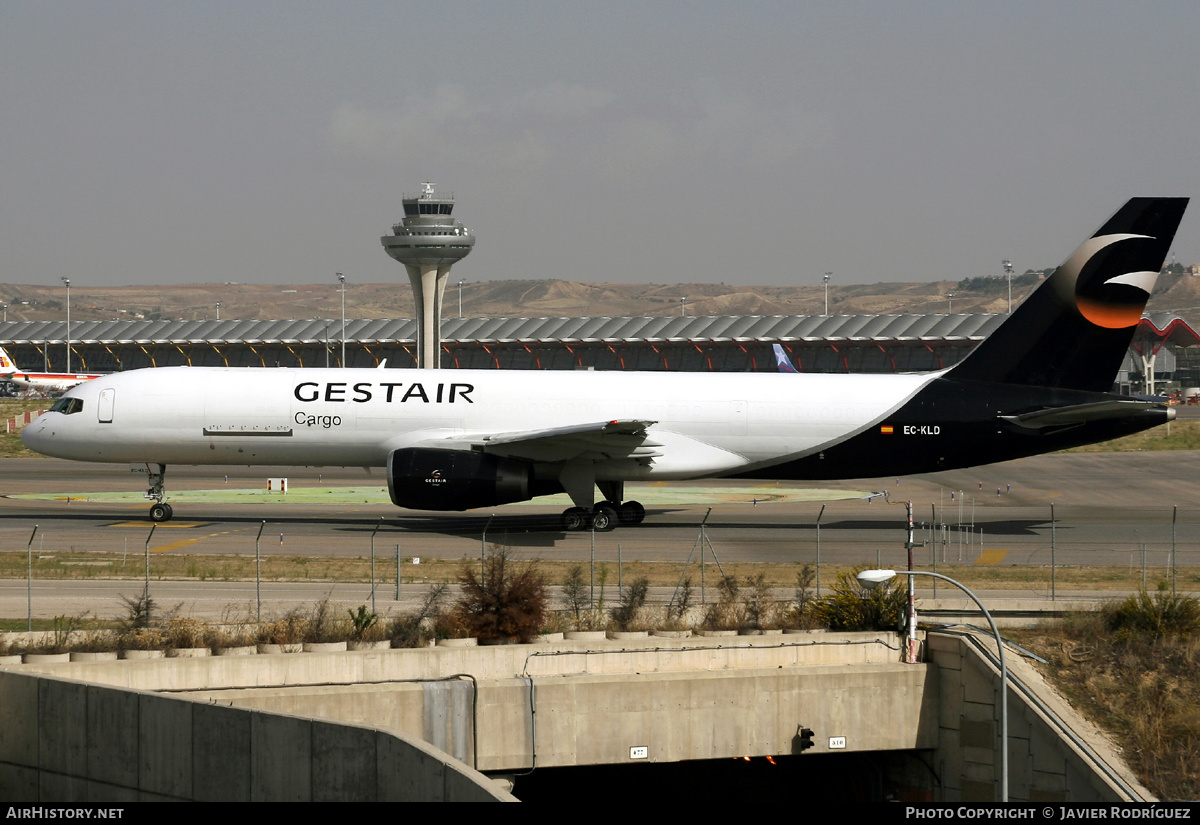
x: 1008, y: 270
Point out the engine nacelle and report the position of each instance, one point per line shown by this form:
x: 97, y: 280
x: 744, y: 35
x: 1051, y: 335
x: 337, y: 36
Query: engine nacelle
x: 424, y: 479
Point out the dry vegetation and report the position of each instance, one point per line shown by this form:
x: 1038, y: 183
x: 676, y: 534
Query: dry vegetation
x: 1174, y: 435
x: 1134, y: 669
x: 10, y: 443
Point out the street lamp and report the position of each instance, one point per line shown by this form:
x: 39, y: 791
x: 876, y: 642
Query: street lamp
x: 67, y: 281
x: 828, y: 275
x: 1008, y: 270
x: 342, y: 289
x: 871, y: 579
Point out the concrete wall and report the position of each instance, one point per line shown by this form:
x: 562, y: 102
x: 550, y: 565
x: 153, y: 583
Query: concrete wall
x: 588, y: 719
x: 1044, y: 765
x: 685, y: 699
x: 653, y: 655
x: 543, y: 705
x: 65, y: 741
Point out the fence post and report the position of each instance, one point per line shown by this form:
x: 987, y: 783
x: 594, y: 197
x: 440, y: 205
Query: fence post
x: 146, y: 592
x: 29, y: 578
x: 258, y: 569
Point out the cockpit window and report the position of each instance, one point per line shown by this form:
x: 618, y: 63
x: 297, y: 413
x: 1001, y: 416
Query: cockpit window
x: 67, y: 406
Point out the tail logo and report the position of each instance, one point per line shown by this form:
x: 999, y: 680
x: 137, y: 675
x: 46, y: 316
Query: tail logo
x: 1092, y: 278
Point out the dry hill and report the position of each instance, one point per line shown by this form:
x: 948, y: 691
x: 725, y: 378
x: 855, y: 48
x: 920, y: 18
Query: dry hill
x: 537, y: 298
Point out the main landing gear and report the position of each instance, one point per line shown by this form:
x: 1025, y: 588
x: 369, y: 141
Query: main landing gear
x: 604, y: 516
x: 159, y: 510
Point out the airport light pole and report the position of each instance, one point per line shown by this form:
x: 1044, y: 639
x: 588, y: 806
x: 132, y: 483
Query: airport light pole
x: 460, y: 283
x: 950, y: 298
x: 828, y: 275
x: 682, y: 306
x: 342, y: 289
x: 218, y: 310
x: 871, y: 579
x: 67, y: 281
x: 6, y: 313
x: 1008, y: 270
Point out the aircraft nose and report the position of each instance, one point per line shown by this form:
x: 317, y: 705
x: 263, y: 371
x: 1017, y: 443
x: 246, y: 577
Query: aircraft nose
x: 35, y: 435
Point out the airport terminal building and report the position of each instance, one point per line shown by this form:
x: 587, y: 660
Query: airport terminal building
x: 1165, y: 347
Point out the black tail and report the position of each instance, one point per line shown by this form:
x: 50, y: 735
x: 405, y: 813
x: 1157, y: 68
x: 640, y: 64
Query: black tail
x: 1074, y: 330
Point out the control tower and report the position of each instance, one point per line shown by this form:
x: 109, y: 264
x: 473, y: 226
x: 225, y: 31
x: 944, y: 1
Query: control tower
x: 428, y: 242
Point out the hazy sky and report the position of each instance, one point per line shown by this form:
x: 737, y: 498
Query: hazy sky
x: 751, y: 143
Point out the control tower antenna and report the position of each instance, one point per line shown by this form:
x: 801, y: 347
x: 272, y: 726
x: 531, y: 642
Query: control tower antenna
x: 428, y: 242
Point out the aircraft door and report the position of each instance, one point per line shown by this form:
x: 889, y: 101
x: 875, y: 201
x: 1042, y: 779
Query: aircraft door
x: 104, y: 410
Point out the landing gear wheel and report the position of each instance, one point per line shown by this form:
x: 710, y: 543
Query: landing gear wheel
x: 632, y: 512
x: 604, y: 518
x: 160, y: 512
x: 574, y: 518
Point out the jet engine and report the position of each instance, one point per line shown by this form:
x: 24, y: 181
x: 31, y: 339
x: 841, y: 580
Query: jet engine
x: 425, y: 479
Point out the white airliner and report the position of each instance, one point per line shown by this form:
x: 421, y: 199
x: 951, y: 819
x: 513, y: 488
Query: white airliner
x: 460, y: 439
x: 45, y: 382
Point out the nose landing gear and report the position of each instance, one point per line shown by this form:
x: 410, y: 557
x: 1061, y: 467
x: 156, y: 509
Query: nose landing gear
x: 156, y: 474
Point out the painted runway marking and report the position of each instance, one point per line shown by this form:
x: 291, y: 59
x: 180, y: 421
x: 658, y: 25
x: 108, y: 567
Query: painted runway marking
x: 993, y: 556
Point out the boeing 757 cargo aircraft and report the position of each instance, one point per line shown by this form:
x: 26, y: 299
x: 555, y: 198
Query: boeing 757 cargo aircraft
x: 460, y: 439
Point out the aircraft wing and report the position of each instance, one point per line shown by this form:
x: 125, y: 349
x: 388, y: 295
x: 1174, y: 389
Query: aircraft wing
x: 1080, y: 413
x: 598, y: 441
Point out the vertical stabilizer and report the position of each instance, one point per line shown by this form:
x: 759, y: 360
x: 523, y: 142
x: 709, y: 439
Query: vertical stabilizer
x: 1074, y: 330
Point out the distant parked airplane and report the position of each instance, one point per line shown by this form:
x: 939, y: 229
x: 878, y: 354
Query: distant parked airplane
x: 782, y: 362
x: 45, y: 382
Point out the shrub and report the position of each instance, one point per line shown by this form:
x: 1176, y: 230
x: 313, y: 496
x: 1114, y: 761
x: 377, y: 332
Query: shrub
x: 286, y: 630
x: 746, y: 605
x: 139, y: 611
x: 142, y: 638
x: 853, y: 607
x: 508, y: 603
x: 321, y: 626
x: 1163, y: 614
x: 416, y: 629
x: 576, y: 594
x: 633, y: 598
x: 759, y: 609
x: 728, y: 612
x: 60, y: 638
x: 184, y: 632
x: 364, y: 623
x: 681, y: 603
x: 801, y: 613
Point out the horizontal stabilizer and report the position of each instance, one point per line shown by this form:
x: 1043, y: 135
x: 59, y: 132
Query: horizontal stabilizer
x: 1083, y: 413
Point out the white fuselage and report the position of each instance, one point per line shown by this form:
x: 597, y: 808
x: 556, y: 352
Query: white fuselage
x: 705, y: 423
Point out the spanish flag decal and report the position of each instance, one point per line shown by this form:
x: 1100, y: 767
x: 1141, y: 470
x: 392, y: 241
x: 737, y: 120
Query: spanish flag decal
x: 886, y: 429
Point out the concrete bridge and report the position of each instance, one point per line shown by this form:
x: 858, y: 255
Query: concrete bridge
x: 509, y: 709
